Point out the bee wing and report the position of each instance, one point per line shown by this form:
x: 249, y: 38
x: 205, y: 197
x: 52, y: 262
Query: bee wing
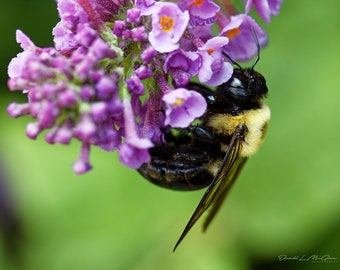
x: 221, y: 183
x: 223, y: 190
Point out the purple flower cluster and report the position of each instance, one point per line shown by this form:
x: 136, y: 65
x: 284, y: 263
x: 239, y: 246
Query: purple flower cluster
x: 118, y: 72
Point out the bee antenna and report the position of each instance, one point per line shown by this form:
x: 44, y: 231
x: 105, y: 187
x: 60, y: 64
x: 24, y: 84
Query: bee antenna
x: 232, y: 61
x: 257, y: 46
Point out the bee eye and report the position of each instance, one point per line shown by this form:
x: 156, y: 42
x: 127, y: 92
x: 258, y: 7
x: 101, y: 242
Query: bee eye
x: 236, y: 83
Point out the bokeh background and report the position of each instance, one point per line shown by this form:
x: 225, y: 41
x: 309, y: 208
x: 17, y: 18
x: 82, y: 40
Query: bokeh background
x: 286, y: 202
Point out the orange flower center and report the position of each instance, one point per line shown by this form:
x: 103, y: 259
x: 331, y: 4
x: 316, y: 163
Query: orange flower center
x: 166, y: 23
x: 197, y: 3
x: 210, y: 51
x: 178, y: 102
x: 232, y: 32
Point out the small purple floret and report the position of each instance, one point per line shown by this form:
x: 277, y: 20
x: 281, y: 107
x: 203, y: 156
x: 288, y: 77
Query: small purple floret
x: 241, y: 45
x: 265, y: 8
x: 168, y: 25
x: 82, y: 165
x: 182, y: 107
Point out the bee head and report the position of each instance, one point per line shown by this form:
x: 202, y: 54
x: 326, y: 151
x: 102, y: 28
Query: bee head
x: 245, y: 85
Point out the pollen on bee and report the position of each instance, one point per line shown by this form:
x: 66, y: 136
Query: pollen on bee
x: 166, y: 23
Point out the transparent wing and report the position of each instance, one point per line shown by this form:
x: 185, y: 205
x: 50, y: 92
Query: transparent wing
x: 230, y: 167
x: 225, y: 187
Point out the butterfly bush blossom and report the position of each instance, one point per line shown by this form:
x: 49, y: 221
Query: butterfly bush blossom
x: 118, y: 73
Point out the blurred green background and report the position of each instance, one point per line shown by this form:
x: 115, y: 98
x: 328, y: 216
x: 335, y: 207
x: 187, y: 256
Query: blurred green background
x: 286, y: 202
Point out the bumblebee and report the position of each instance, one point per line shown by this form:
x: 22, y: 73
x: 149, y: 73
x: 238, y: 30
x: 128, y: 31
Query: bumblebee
x: 212, y: 153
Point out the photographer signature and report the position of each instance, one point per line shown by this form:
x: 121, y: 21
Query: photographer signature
x: 310, y: 258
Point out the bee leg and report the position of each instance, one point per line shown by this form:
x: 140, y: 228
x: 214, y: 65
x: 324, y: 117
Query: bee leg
x: 201, y: 133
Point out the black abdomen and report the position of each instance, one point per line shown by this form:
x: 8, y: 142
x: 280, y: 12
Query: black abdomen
x: 181, y: 168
